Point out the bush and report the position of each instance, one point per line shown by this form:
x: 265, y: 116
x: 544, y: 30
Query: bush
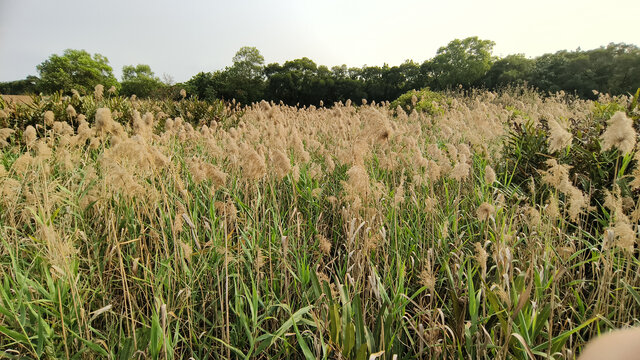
x: 592, y: 170
x: 425, y: 100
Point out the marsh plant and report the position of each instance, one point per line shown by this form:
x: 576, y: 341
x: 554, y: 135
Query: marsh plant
x: 140, y: 229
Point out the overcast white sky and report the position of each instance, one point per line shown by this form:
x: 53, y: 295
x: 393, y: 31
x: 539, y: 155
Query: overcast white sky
x: 182, y: 38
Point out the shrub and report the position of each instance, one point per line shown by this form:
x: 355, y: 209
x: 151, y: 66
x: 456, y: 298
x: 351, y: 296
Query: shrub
x: 592, y: 170
x: 423, y: 101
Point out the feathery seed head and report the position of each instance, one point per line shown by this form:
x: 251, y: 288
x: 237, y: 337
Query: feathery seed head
x: 481, y: 257
x: 4, y: 135
x: 324, y: 244
x: 485, y: 211
x: 552, y: 210
x: 532, y: 216
x: 427, y: 279
x: 60, y: 252
x: 559, y: 137
x: 98, y: 92
x: 103, y: 119
x: 71, y: 112
x: 30, y: 135
x: 253, y: 164
x: 460, y: 171
x: 281, y: 163
x: 358, y: 180
x: 49, y: 118
x: 619, y: 133
x: 489, y: 175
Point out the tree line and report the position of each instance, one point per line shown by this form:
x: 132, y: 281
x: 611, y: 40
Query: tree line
x: 466, y: 63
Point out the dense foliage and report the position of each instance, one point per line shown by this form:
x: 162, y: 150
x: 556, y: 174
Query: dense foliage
x: 423, y: 100
x: 75, y: 69
x: 139, y: 80
x: 466, y: 63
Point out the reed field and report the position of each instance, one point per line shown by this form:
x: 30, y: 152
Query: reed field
x: 457, y: 225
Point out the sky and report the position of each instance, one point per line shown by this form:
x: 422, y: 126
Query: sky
x: 182, y: 38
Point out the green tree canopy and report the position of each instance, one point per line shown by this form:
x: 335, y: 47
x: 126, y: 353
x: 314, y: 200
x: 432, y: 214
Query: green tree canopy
x: 462, y: 62
x: 244, y: 80
x: 248, y: 63
x: 293, y: 82
x: 510, y: 70
x: 18, y: 87
x: 140, y: 80
x: 467, y: 62
x: 613, y: 69
x: 130, y: 72
x: 203, y: 85
x: 75, y: 69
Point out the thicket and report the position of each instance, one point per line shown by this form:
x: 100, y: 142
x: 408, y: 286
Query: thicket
x: 466, y: 63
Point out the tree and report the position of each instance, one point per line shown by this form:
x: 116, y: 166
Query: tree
x: 20, y: 87
x: 297, y: 81
x: 140, y: 80
x: 467, y: 62
x: 373, y: 82
x: 614, y: 69
x: 248, y: 63
x: 550, y: 71
x: 462, y: 62
x: 511, y: 70
x: 130, y: 72
x: 622, y: 76
x: 75, y: 69
x: 413, y: 78
x: 244, y: 80
x: 203, y: 86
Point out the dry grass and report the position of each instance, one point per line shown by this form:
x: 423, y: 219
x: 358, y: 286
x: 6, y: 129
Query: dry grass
x: 18, y: 99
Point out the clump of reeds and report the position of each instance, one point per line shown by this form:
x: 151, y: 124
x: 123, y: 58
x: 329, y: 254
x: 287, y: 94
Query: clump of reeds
x: 619, y: 133
x: 142, y: 231
x: 98, y: 92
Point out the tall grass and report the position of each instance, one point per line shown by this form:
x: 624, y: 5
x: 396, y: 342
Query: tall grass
x: 135, y: 229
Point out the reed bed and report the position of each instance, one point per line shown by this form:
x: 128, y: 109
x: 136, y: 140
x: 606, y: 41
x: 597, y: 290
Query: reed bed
x: 341, y: 232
